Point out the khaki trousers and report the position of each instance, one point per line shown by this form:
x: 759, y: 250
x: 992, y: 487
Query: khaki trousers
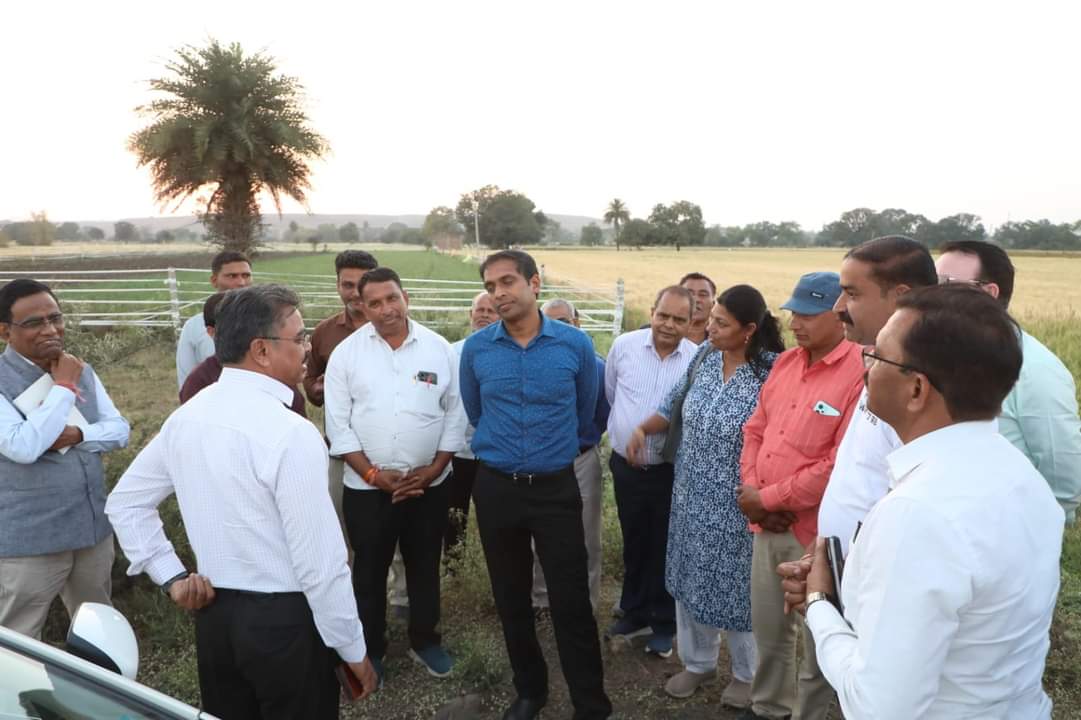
x: 28, y: 585
x: 775, y: 692
x: 587, y: 470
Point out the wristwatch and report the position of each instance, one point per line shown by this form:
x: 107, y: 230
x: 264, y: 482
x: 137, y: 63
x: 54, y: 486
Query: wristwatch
x: 169, y: 583
x: 815, y: 597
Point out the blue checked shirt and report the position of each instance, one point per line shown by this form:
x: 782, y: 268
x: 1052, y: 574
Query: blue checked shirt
x: 527, y: 404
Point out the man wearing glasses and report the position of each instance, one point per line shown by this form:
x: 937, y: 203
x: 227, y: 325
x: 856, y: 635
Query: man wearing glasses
x: 208, y: 371
x: 54, y: 536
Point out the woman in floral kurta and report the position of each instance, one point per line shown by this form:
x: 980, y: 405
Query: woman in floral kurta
x: 708, y: 564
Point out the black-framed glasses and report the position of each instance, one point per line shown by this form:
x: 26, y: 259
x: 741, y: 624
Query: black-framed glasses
x: 302, y: 339
x: 37, y: 323
x: 870, y: 358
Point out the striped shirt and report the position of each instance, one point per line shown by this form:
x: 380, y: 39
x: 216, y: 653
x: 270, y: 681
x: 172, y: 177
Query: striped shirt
x: 790, y: 442
x: 250, y: 477
x: 636, y: 382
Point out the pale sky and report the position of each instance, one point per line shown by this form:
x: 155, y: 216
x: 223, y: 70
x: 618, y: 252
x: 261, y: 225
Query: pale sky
x: 754, y: 110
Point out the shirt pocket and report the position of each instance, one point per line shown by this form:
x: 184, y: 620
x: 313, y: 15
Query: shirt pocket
x: 424, y: 397
x: 814, y: 435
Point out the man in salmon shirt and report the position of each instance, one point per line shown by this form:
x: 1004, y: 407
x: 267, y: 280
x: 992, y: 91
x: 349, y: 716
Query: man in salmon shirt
x: 789, y: 447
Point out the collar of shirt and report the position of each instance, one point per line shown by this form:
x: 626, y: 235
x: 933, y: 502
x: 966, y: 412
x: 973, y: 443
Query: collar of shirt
x: 833, y: 356
x: 257, y: 381
x: 684, y: 346
x: 944, y: 441
x: 546, y: 329
x: 369, y: 332
x: 344, y: 319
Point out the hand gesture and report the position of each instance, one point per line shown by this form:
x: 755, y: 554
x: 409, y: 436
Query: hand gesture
x: 66, y: 369
x: 364, y: 672
x: 415, y: 483
x: 193, y: 592
x: 794, y: 583
x: 636, y: 447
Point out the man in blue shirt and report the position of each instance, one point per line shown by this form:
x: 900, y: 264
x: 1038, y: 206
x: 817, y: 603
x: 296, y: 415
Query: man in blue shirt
x: 587, y: 469
x: 528, y: 384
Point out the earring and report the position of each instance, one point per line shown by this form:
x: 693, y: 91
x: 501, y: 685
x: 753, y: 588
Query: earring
x: 746, y: 339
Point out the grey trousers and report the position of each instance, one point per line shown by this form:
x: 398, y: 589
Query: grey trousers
x: 587, y: 470
x: 28, y: 585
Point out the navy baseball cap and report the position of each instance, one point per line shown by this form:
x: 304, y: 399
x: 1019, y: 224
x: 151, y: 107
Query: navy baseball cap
x: 815, y: 293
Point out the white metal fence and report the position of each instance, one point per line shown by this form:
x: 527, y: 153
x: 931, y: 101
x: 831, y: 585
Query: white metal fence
x: 166, y: 297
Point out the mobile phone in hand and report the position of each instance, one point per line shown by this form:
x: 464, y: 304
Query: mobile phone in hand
x: 836, y: 557
x: 351, y: 685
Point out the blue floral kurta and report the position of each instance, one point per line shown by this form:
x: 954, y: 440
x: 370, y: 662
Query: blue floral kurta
x: 708, y: 566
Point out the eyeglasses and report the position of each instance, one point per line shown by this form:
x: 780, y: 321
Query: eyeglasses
x: 950, y: 280
x: 302, y: 339
x: 870, y: 358
x: 37, y: 323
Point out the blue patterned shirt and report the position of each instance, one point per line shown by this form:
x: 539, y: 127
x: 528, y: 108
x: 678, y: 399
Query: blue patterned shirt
x: 527, y: 404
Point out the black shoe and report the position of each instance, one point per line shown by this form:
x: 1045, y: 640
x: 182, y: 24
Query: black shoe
x: 525, y: 708
x: 749, y: 714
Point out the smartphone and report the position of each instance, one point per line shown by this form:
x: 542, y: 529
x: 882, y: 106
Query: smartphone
x: 350, y: 683
x: 835, y: 556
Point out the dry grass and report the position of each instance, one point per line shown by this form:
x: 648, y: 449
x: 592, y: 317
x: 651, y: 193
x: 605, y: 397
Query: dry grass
x: 1046, y: 284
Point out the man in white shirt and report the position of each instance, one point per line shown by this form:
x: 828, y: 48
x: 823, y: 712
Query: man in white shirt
x: 393, y: 414
x: 54, y: 536
x: 229, y: 269
x: 276, y: 608
x: 874, y: 276
x: 951, y: 584
x: 643, y: 366
x: 481, y: 314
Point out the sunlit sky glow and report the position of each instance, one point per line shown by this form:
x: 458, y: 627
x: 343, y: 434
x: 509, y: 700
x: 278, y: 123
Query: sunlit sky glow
x: 756, y: 111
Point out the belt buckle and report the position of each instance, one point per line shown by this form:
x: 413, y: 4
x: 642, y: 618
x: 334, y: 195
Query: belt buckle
x: 519, y: 476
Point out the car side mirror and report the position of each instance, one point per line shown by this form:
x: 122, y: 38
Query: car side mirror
x: 103, y: 636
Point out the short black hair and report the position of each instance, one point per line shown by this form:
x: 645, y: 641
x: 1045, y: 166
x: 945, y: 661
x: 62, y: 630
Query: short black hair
x: 357, y: 259
x: 16, y: 290
x: 966, y: 344
x: 675, y: 290
x: 523, y: 262
x: 210, y: 309
x: 245, y: 314
x: 224, y: 258
x: 995, y: 264
x: 896, y: 260
x: 699, y: 276
x: 378, y: 275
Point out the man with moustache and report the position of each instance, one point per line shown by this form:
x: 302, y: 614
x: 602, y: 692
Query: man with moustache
x: 529, y: 385
x: 481, y: 314
x: 789, y: 447
x: 393, y: 415
x: 950, y: 587
x: 54, y: 536
x: 1039, y: 416
x: 229, y: 269
x: 272, y: 589
x: 874, y: 276
x: 703, y: 290
x: 642, y: 367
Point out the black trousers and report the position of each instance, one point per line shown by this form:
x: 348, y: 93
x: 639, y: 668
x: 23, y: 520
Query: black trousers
x: 644, y: 503
x: 459, y: 494
x: 547, y: 511
x: 375, y: 526
x: 260, y: 656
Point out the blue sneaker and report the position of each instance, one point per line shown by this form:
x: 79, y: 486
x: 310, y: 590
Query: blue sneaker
x: 434, y: 659
x: 627, y: 629
x: 660, y: 645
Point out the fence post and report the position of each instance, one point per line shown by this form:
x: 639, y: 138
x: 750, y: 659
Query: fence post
x: 174, y: 302
x: 617, y: 318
